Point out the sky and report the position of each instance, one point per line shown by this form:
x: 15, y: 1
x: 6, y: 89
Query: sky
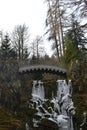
x: 29, y: 12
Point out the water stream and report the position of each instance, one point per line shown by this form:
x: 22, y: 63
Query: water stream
x: 62, y: 110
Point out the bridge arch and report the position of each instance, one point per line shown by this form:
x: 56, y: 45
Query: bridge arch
x: 43, y: 69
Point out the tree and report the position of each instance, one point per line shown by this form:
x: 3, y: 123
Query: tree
x: 6, y: 51
x: 1, y: 37
x: 80, y: 6
x: 75, y: 42
x: 20, y: 37
x: 75, y: 55
x: 58, y: 20
x: 36, y: 47
x: 8, y: 72
x: 55, y: 24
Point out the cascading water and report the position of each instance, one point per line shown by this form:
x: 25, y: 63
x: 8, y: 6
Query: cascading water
x: 38, y: 90
x: 62, y: 110
x: 65, y: 102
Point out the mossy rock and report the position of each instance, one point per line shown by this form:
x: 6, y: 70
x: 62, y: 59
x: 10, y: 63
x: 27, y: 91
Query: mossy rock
x: 48, y: 124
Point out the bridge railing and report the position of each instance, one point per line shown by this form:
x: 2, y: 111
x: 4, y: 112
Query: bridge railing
x: 25, y: 63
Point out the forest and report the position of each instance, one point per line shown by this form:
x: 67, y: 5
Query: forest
x: 66, y: 30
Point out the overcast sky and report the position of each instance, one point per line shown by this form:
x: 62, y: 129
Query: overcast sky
x: 30, y: 12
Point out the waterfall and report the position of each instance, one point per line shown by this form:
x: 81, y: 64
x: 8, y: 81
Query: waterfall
x: 38, y: 90
x: 64, y: 92
x: 63, y: 109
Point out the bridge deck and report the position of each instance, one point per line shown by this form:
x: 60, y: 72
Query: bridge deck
x: 43, y: 69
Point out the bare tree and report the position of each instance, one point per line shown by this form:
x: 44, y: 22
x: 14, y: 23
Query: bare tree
x: 80, y: 5
x: 20, y: 38
x: 79, y: 9
x: 36, y: 47
x: 55, y: 24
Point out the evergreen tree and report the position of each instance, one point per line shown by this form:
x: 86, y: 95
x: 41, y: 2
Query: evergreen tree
x: 77, y: 35
x: 75, y: 55
x: 6, y: 50
x: 75, y: 42
x: 71, y: 52
x: 8, y: 74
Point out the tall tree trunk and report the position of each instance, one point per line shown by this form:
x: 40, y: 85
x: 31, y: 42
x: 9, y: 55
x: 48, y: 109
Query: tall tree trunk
x: 61, y: 30
x: 19, y: 50
x: 22, y: 49
x: 57, y: 48
x: 59, y: 43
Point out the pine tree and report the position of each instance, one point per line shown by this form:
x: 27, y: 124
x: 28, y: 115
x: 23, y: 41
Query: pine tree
x: 75, y: 42
x: 6, y: 50
x: 75, y: 54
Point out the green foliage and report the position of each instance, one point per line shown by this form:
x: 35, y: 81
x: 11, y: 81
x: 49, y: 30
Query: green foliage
x: 71, y: 53
x: 79, y: 75
x: 75, y: 60
x: 81, y: 107
x: 78, y: 38
x: 75, y: 42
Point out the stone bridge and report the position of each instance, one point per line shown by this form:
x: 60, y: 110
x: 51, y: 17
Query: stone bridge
x: 43, y: 69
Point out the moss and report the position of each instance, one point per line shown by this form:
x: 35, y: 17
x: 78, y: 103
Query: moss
x: 8, y: 121
x: 81, y: 107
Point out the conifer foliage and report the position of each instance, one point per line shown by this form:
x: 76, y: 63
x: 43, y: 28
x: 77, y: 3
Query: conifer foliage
x: 6, y: 50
